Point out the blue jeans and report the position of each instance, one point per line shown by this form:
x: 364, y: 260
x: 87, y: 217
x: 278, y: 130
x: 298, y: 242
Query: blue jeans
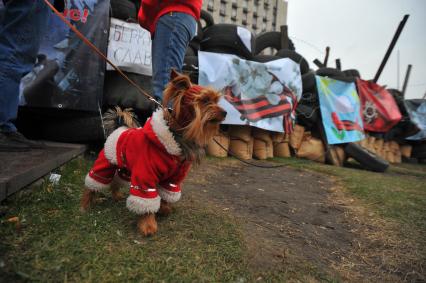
x: 23, y: 25
x: 172, y: 35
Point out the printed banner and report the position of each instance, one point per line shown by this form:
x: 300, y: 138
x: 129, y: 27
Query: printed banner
x: 379, y: 109
x: 416, y: 108
x: 340, y: 110
x: 129, y: 47
x: 263, y: 95
x: 68, y: 74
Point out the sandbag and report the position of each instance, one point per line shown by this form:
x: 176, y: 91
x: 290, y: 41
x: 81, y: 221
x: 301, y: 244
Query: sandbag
x: 311, y: 148
x: 282, y: 149
x: 260, y: 149
x: 277, y: 137
x: 241, y: 132
x: 296, y: 136
x: 337, y: 155
x: 262, y: 144
x: 213, y: 149
x: 241, y: 149
x: 406, y: 150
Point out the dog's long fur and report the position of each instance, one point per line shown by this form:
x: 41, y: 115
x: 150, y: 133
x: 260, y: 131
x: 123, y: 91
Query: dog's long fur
x: 194, y: 120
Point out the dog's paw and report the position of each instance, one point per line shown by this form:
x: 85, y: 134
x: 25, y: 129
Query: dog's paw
x: 147, y: 225
x: 87, y: 200
x: 165, y: 208
x: 117, y: 196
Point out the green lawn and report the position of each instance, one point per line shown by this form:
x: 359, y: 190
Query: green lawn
x: 56, y: 242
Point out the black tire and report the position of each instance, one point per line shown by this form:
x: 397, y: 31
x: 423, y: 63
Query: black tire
x: 74, y: 129
x: 367, y: 159
x: 265, y: 58
x: 309, y: 82
x: 352, y: 73
x: 123, y: 10
x: 307, y: 116
x: 419, y: 151
x: 335, y: 74
x: 296, y: 57
x: 224, y: 38
x: 190, y: 67
x: 190, y: 51
x: 270, y: 39
x: 329, y: 72
x: 117, y: 91
x: 207, y: 18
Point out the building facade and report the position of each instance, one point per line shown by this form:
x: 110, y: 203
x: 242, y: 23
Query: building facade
x: 256, y: 15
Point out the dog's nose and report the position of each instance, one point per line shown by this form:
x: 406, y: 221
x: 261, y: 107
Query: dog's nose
x: 223, y: 112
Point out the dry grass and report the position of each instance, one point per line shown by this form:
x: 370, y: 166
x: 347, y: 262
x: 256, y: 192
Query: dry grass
x: 389, y: 211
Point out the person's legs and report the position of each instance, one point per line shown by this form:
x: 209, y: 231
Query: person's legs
x: 23, y: 24
x: 172, y: 35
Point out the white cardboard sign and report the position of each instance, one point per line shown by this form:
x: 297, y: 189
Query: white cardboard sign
x: 129, y: 47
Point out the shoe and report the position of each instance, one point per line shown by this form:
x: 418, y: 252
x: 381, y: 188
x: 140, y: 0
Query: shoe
x: 15, y: 141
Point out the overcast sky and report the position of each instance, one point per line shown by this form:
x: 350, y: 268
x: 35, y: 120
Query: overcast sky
x: 359, y: 32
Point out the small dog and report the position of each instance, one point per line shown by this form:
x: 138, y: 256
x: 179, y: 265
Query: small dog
x: 155, y: 159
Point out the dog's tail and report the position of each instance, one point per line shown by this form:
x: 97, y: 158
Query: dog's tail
x: 117, y: 117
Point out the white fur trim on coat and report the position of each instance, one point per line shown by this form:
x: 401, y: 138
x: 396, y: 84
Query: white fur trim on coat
x: 141, y: 206
x: 163, y: 133
x: 169, y: 196
x: 94, y: 185
x: 111, y: 145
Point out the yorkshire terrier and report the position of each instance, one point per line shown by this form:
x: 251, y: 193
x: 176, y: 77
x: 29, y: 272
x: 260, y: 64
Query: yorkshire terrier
x: 155, y: 159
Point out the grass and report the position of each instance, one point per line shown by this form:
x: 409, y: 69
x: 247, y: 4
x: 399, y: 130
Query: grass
x: 398, y: 194
x: 58, y: 243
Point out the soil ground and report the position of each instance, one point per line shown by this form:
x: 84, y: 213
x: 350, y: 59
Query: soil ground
x: 292, y: 216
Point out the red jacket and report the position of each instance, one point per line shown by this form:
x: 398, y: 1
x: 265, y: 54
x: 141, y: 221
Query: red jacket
x: 151, y: 10
x: 152, y: 156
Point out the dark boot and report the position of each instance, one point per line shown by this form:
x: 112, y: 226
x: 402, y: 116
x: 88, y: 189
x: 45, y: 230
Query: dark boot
x: 15, y: 141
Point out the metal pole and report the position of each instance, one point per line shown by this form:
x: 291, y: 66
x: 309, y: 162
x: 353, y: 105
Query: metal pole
x: 397, y: 69
x: 327, y: 53
x: 338, y: 65
x: 407, y: 77
x: 284, y: 37
x: 390, y: 48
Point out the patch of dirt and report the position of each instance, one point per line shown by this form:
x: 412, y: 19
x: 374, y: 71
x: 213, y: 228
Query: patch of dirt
x: 300, y: 218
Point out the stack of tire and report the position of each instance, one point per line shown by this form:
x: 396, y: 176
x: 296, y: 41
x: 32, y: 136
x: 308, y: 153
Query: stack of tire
x: 310, y: 117
x: 117, y: 91
x: 225, y: 38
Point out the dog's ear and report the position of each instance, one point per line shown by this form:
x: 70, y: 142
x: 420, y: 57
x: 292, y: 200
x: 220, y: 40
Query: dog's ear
x: 174, y: 74
x: 179, y: 81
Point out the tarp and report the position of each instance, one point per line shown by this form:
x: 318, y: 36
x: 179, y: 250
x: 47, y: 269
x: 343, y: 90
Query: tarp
x: 129, y: 47
x: 416, y: 108
x: 340, y: 110
x: 379, y: 109
x: 68, y: 73
x: 263, y: 95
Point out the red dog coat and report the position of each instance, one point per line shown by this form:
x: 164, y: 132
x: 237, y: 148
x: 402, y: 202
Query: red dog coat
x: 150, y: 157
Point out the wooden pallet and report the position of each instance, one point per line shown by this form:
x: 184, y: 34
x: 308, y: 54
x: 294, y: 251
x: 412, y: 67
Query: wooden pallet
x: 19, y: 169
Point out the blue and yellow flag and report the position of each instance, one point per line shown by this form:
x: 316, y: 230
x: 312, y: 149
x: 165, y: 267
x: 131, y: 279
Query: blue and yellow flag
x: 341, y: 110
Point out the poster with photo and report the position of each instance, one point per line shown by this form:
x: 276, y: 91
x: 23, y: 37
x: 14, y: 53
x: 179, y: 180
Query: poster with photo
x: 68, y: 74
x: 262, y: 95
